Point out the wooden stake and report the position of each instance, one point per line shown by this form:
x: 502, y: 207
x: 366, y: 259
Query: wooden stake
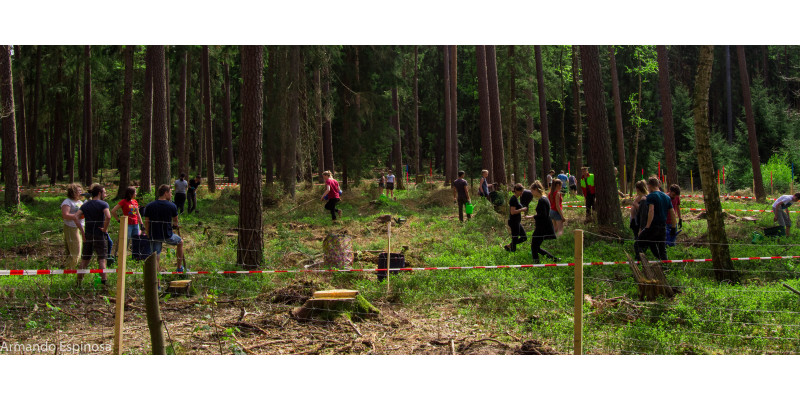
x: 154, y: 321
x: 578, y: 313
x: 388, y: 255
x: 119, y: 315
x: 691, y: 177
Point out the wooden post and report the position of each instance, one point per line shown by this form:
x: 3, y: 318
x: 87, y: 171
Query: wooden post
x: 388, y: 255
x: 691, y: 177
x: 151, y: 304
x: 578, y: 314
x: 122, y: 253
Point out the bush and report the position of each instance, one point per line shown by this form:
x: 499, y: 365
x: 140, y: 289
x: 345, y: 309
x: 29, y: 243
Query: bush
x: 781, y: 170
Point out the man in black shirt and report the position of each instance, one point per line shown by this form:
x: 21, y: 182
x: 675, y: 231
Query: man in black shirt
x: 461, y: 195
x: 160, y: 216
x: 515, y: 208
x: 95, y: 236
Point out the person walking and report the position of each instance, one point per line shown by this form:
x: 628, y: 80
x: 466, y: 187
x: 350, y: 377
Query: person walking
x: 461, y: 195
x: 515, y: 210
x: 587, y: 184
x: 72, y: 234
x: 780, y: 208
x: 563, y: 178
x: 130, y: 208
x: 653, y: 233
x: 638, y: 213
x: 191, y: 193
x: 556, y: 210
x: 332, y: 194
x: 543, y: 229
x: 381, y: 184
x: 181, y: 187
x: 675, y: 199
x: 95, y: 236
x: 390, y: 186
x: 483, y: 186
x: 550, y: 176
x: 160, y: 218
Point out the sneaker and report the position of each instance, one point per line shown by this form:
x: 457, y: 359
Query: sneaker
x: 179, y: 269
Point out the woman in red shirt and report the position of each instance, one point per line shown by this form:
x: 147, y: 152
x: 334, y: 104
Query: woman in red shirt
x: 556, y: 211
x: 331, y: 194
x: 130, y: 207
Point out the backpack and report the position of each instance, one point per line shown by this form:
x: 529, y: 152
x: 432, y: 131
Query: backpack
x: 140, y: 247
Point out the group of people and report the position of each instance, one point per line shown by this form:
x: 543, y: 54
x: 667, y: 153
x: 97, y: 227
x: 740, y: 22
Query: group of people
x: 386, y: 183
x: 655, y: 217
x: 86, y: 223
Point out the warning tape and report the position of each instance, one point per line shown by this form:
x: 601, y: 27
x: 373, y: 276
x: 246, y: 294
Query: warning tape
x: 30, y: 272
x: 23, y: 190
x: 701, y: 209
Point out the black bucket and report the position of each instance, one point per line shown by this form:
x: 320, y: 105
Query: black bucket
x: 397, y: 261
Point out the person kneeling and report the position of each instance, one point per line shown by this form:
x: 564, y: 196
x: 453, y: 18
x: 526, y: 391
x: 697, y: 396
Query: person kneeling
x: 160, y: 217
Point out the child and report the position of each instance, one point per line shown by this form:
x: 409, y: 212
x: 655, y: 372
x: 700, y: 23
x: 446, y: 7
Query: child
x: 483, y: 186
x: 556, y: 211
x: 544, y: 226
x: 675, y: 198
x: 515, y: 210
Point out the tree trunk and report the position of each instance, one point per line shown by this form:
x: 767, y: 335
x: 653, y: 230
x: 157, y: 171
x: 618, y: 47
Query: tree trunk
x: 127, y: 99
x: 448, y: 150
x: 212, y: 187
x: 546, y: 167
x: 666, y: 113
x: 728, y: 96
x: 160, y: 139
x: 576, y: 109
x: 320, y: 122
x: 485, y: 113
x: 638, y: 128
x: 751, y: 126
x: 20, y: 112
x: 498, y: 156
x: 453, y: 114
x: 250, y: 253
x: 530, y: 143
x: 289, y: 148
x: 147, y: 123
x: 228, y: 125
x: 58, y: 129
x: 618, y: 120
x: 270, y: 130
x: 512, y: 87
x: 417, y: 160
x: 327, y: 133
x: 601, y: 158
x: 87, y: 117
x: 7, y: 119
x: 183, y: 114
x: 33, y: 127
x: 397, y: 149
x: 723, y: 267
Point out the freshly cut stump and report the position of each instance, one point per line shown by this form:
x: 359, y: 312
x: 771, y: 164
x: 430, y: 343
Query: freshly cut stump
x: 329, y: 304
x: 651, y: 279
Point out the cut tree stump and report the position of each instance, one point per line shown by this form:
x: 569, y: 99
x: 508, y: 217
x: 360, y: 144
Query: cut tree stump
x: 329, y: 304
x: 650, y: 279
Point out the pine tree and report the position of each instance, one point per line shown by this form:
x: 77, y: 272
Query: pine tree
x: 124, y: 160
x: 7, y: 119
x: 618, y: 119
x: 498, y: 156
x: 751, y: 127
x: 546, y: 167
x: 485, y: 113
x: 160, y: 139
x: 209, y: 148
x: 666, y: 113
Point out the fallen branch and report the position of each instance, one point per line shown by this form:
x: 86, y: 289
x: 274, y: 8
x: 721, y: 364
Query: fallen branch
x: 792, y: 289
x: 354, y: 326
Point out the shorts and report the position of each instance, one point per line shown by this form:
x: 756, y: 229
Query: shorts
x: 390, y: 185
x: 783, y: 218
x: 555, y: 216
x: 95, y: 245
x: 174, y: 240
x: 380, y: 184
x: 573, y: 187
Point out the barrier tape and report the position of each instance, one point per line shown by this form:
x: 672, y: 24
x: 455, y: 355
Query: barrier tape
x: 700, y: 209
x: 23, y: 190
x: 30, y: 272
x: 724, y: 196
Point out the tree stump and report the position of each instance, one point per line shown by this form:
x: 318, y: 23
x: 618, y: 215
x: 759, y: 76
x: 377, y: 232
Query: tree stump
x: 650, y: 279
x: 329, y: 304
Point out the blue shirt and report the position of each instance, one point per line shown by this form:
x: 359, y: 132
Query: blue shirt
x: 95, y: 217
x: 563, y: 179
x: 661, y: 206
x: 160, y: 213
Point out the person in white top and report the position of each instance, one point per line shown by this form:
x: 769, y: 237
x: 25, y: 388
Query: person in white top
x: 72, y: 234
x: 180, y: 192
x: 780, y: 209
x: 390, y: 185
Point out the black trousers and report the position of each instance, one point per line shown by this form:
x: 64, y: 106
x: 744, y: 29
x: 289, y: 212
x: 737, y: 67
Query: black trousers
x: 180, y: 200
x: 192, y: 195
x: 461, y: 204
x: 536, y: 249
x: 331, y: 205
x: 518, y: 234
x: 654, y: 238
x: 589, y: 203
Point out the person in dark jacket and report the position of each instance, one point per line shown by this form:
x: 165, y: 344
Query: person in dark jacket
x: 515, y: 210
x: 543, y: 224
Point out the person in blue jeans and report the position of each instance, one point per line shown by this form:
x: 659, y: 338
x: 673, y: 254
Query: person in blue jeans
x: 160, y: 217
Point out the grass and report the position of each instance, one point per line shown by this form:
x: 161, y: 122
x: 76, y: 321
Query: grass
x: 753, y: 315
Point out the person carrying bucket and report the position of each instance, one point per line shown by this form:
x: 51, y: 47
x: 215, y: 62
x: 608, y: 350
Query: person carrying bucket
x: 461, y: 196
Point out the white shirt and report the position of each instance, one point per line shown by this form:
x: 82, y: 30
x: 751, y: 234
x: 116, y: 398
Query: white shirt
x: 390, y: 178
x: 180, y: 186
x: 74, y: 206
x: 787, y: 198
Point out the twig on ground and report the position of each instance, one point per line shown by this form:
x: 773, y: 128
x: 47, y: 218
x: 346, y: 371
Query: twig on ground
x: 354, y: 326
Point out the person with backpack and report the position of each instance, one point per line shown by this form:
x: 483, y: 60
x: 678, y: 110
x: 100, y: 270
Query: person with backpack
x: 653, y: 233
x: 515, y: 210
x: 72, y: 234
x: 543, y: 229
x: 555, y: 198
x: 130, y: 208
x: 461, y: 195
x: 181, y: 187
x: 191, y: 193
x: 332, y: 194
x: 160, y: 218
x: 95, y: 236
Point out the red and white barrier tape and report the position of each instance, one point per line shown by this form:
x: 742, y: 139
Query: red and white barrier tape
x: 701, y: 209
x: 30, y: 272
x: 24, y: 190
x: 723, y: 196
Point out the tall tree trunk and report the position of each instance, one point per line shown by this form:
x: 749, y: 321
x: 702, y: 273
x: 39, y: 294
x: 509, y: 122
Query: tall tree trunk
x: 666, y: 112
x: 576, y: 109
x: 485, y: 112
x: 7, y: 119
x: 638, y: 126
x: 160, y: 138
x: 270, y: 128
x: 563, y: 107
x: 542, y: 111
x: 87, y: 116
x: 250, y: 253
x: 33, y: 127
x: 530, y: 143
x: 601, y: 157
x: 723, y: 267
x: 397, y: 148
x: 417, y: 160
x: 58, y: 129
x: 327, y: 133
x: 448, y: 145
x: 498, y: 156
x: 618, y: 120
x: 147, y: 124
x: 728, y: 96
x: 512, y: 87
x: 22, y: 144
x: 124, y: 160
x: 228, y: 126
x: 183, y: 112
x: 453, y: 113
x: 212, y: 187
x: 289, y: 148
x: 168, y: 106
x: 751, y: 126
x: 319, y: 123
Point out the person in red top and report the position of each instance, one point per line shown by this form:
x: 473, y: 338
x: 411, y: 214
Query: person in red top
x: 130, y: 208
x: 556, y: 211
x: 332, y: 194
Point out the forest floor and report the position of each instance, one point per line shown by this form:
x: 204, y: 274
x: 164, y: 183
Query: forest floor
x: 474, y: 311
